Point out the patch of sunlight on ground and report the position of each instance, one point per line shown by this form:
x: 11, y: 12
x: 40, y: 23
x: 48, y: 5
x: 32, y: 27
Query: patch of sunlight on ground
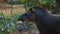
x: 7, y: 11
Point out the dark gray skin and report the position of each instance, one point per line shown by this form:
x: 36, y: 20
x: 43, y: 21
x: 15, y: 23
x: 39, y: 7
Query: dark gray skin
x: 46, y: 23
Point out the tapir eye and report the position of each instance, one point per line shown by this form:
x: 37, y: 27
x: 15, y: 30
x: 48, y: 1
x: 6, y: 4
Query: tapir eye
x: 29, y: 13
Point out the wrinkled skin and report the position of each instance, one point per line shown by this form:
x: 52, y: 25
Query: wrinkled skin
x: 46, y: 23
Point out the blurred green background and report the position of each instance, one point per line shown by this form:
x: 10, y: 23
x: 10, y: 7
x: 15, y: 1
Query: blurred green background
x: 10, y: 10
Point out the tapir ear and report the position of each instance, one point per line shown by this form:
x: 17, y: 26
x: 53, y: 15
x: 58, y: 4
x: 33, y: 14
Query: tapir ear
x: 33, y: 10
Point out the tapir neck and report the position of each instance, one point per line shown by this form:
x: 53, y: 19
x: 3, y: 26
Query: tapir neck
x: 41, y: 18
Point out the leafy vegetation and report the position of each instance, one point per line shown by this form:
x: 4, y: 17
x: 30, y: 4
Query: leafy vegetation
x: 7, y: 23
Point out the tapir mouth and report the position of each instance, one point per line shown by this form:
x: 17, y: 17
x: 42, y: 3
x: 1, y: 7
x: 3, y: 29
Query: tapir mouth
x: 21, y: 22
